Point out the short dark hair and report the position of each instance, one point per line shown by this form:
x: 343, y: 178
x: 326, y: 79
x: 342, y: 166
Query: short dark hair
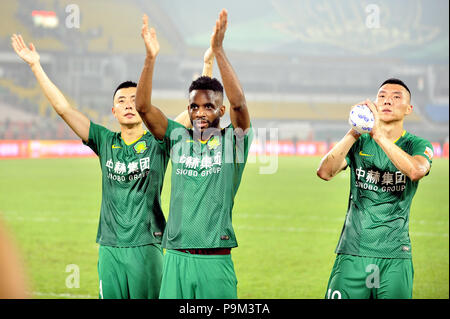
x: 206, y: 83
x: 124, y: 85
x: 396, y: 81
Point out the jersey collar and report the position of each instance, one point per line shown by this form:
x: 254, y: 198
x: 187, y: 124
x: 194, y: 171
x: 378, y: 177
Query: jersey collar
x: 128, y: 144
x: 403, y: 134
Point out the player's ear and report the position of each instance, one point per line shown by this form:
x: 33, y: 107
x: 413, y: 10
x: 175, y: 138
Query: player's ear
x: 222, y: 110
x: 189, y: 110
x: 113, y: 111
x: 409, y: 109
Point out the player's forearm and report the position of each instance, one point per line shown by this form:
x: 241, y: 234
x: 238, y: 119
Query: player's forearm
x: 208, y: 68
x: 145, y: 86
x: 406, y: 163
x: 231, y: 84
x: 334, y: 161
x: 208, y: 62
x: 153, y: 118
x: 77, y: 121
x: 53, y: 94
x: 183, y: 119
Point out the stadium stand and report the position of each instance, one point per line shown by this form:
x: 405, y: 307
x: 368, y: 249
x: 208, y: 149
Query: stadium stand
x: 285, y: 78
x: 437, y: 113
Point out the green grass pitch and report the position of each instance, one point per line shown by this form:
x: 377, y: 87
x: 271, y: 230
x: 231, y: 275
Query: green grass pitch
x: 287, y: 225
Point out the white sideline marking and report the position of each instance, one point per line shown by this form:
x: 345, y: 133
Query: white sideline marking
x: 66, y: 295
x: 421, y: 234
x: 322, y: 218
x: 323, y: 230
x: 265, y: 216
x: 11, y: 216
x: 15, y: 216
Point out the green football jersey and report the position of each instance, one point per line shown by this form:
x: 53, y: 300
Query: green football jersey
x: 205, y: 179
x: 377, y: 220
x: 132, y: 179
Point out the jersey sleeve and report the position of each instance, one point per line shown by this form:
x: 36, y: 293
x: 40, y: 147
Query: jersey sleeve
x: 349, y: 158
x: 423, y: 148
x: 242, y: 142
x: 175, y: 133
x: 97, y: 135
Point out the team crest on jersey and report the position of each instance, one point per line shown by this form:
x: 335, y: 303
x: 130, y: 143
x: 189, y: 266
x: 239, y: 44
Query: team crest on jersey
x: 213, y: 143
x: 362, y: 154
x: 140, y: 147
x: 428, y: 152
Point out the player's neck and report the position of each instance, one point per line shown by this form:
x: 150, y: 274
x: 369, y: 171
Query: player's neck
x: 393, y: 131
x: 131, y: 133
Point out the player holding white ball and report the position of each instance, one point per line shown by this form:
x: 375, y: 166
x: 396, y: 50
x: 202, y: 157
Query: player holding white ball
x: 374, y: 250
x: 361, y: 119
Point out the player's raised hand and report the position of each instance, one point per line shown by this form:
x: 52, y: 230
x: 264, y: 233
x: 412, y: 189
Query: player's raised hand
x: 209, y: 56
x: 28, y: 54
x: 149, y: 36
x: 376, y: 123
x: 219, y: 31
x: 353, y: 131
x: 208, y: 62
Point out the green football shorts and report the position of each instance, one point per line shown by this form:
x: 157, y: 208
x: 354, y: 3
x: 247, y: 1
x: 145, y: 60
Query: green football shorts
x: 191, y: 276
x: 355, y: 277
x: 130, y: 272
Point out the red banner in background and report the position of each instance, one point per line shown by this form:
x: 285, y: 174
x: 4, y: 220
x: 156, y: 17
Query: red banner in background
x: 288, y: 148
x: 43, y: 149
x: 13, y: 149
x: 46, y: 149
x: 74, y: 148
x: 437, y: 150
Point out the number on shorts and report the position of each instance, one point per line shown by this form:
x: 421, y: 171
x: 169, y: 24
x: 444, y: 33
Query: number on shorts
x: 334, y: 295
x: 101, y: 290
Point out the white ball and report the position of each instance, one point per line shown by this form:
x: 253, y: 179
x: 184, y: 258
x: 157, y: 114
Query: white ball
x: 361, y: 119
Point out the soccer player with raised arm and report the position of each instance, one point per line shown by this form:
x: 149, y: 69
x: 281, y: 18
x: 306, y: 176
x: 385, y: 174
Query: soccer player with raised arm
x: 133, y: 165
x: 207, y: 166
x: 374, y: 250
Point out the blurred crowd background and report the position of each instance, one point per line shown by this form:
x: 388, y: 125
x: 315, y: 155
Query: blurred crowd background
x: 302, y: 64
